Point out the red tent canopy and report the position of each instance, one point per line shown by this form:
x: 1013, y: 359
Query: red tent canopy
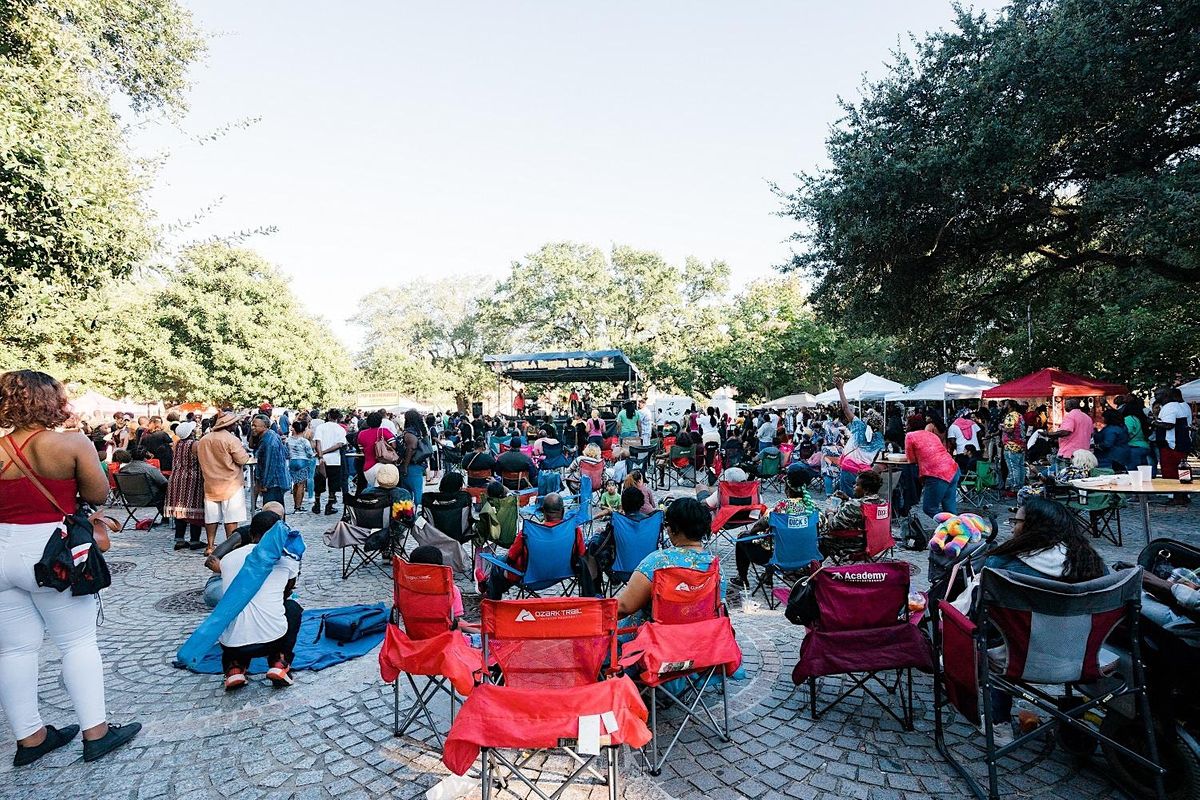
x: 1052, y: 382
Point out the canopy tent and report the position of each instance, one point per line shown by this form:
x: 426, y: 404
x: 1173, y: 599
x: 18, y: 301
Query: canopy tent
x: 867, y: 386
x: 575, y: 366
x: 1052, y: 382
x: 801, y: 400
x: 947, y: 386
x: 94, y: 403
x: 1191, y: 391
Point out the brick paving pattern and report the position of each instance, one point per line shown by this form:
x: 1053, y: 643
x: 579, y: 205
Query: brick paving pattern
x: 330, y: 735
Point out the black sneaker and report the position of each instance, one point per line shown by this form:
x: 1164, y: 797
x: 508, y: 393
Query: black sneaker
x: 180, y: 544
x: 316, y: 509
x: 739, y: 582
x: 54, y: 740
x: 196, y: 545
x: 117, y: 735
x: 330, y: 510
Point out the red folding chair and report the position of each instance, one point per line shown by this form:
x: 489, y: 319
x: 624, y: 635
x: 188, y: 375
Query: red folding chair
x: 739, y: 505
x: 551, y: 654
x: 869, y: 544
x: 595, y: 471
x: 429, y: 645
x: 479, y: 476
x: 689, y: 638
x: 862, y: 630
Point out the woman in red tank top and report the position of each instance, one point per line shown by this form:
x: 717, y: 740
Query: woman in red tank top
x: 33, y: 458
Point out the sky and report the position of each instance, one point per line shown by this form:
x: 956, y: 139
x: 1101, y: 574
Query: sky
x: 396, y: 141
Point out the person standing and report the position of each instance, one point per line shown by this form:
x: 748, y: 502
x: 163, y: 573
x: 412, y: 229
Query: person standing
x: 222, y: 456
x: 928, y: 452
x: 300, y: 463
x: 185, y: 488
x: 157, y: 442
x: 328, y: 440
x: 1174, y: 437
x: 1012, y: 439
x: 38, y: 462
x: 271, y: 476
x: 1074, y: 432
x: 412, y: 469
x: 1139, y: 432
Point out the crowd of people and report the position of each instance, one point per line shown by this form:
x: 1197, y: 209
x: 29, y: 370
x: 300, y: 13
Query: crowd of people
x: 204, y: 473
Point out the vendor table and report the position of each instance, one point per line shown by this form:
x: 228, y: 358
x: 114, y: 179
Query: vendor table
x: 1145, y: 488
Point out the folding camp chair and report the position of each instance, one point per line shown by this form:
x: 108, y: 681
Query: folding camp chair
x: 1053, y: 635
x: 640, y: 458
x: 679, y: 461
x: 134, y: 491
x: 738, y: 505
x: 556, y: 695
x: 451, y: 457
x: 449, y: 513
x: 869, y: 544
x: 594, y: 472
x: 551, y: 557
x: 794, y: 537
x: 633, y: 540
x: 429, y: 646
x: 516, y: 481
x: 364, y: 533
x: 689, y: 638
x: 477, y: 483
x: 862, y: 630
x: 1099, y: 512
x: 979, y: 488
x: 553, y: 457
x: 770, y: 471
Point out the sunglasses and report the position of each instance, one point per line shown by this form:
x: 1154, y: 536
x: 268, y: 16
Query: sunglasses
x: 1015, y: 520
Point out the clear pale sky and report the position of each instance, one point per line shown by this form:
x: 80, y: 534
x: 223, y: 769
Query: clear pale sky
x: 400, y: 140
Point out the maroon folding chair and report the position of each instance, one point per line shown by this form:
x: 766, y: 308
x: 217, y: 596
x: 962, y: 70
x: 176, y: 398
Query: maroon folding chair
x: 688, y: 637
x: 863, y: 630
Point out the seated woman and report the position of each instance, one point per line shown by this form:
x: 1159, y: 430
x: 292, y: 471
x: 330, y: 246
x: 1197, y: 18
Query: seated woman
x: 637, y: 480
x: 1047, y: 542
x: 546, y: 436
x: 1112, y: 442
x: 687, y: 522
x: 798, y: 501
x: 848, y: 517
x: 589, y: 457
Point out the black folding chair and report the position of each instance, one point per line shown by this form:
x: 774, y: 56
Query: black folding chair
x: 134, y: 491
x: 365, y: 534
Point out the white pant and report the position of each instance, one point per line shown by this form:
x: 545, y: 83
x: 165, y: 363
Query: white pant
x: 231, y: 511
x: 27, y: 611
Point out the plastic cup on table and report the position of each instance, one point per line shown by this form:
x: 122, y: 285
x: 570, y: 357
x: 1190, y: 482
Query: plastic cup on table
x: 1146, y: 473
x: 1135, y: 477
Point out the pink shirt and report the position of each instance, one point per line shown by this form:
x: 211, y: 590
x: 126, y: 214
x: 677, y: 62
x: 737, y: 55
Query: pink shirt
x: 928, y: 452
x: 366, y: 440
x: 1081, y: 427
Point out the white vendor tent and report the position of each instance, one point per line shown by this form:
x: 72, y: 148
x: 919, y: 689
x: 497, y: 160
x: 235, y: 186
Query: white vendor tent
x: 95, y: 404
x: 867, y: 386
x: 801, y: 400
x: 947, y: 386
x: 1191, y: 392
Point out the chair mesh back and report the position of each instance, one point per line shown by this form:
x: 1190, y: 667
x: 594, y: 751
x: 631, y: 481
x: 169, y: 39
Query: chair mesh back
x: 136, y: 488
x: 479, y: 477
x: 877, y: 519
x: 858, y: 596
x: 593, y: 471
x: 795, y: 539
x: 1053, y: 630
x: 369, y: 512
x: 680, y: 595
x: 770, y: 465
x: 550, y: 549
x: 635, y: 539
x: 422, y: 595
x: 550, y: 642
x: 450, y: 514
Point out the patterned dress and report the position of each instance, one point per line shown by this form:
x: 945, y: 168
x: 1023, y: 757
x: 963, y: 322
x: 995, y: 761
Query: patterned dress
x: 185, y: 487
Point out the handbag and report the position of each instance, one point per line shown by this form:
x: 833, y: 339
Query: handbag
x: 801, y: 606
x: 385, y: 451
x: 71, y: 557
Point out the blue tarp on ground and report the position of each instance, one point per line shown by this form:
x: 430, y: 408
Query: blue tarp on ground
x: 312, y: 653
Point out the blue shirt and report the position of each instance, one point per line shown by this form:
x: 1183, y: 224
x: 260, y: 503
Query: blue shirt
x: 271, y: 471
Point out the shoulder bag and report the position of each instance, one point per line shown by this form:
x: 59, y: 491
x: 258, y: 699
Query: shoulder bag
x: 71, y: 557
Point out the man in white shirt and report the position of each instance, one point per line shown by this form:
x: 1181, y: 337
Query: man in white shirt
x: 268, y: 625
x: 766, y: 433
x: 1173, y: 425
x: 389, y: 423
x: 328, y: 440
x: 645, y: 421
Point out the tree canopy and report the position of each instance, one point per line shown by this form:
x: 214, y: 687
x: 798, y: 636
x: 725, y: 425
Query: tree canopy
x: 1007, y: 160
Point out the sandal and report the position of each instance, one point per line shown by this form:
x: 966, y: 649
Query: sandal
x: 208, y: 551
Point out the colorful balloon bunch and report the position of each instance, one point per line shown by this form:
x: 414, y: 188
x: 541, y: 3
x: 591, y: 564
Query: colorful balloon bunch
x: 955, y: 531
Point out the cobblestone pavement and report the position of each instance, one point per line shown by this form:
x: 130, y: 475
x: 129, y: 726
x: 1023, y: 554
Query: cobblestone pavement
x: 330, y: 734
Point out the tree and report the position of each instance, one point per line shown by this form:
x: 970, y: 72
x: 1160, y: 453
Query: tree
x: 71, y: 206
x: 232, y: 332
x: 429, y: 338
x: 1008, y: 158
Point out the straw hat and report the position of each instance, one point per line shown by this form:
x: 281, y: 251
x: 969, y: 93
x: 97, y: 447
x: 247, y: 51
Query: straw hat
x: 226, y: 419
x: 387, y: 476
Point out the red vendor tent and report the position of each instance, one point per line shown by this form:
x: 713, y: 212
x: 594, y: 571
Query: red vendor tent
x: 1052, y: 382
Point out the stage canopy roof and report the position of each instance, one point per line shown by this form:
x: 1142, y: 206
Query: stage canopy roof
x: 947, y: 386
x: 1052, y: 382
x: 801, y: 400
x: 867, y: 386
x: 573, y: 366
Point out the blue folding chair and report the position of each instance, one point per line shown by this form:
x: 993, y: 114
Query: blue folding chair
x: 553, y: 457
x: 551, y: 551
x: 633, y: 541
x: 795, y: 539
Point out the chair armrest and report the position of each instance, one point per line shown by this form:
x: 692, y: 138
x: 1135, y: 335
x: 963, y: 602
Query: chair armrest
x: 755, y: 538
x: 502, y: 564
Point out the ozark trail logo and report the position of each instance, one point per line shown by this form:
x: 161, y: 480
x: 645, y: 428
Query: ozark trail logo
x: 524, y: 616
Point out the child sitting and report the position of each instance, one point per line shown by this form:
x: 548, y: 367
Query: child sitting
x: 610, y: 500
x: 427, y: 554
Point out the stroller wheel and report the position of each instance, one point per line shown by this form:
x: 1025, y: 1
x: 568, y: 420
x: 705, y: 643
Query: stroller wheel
x: 1178, y: 752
